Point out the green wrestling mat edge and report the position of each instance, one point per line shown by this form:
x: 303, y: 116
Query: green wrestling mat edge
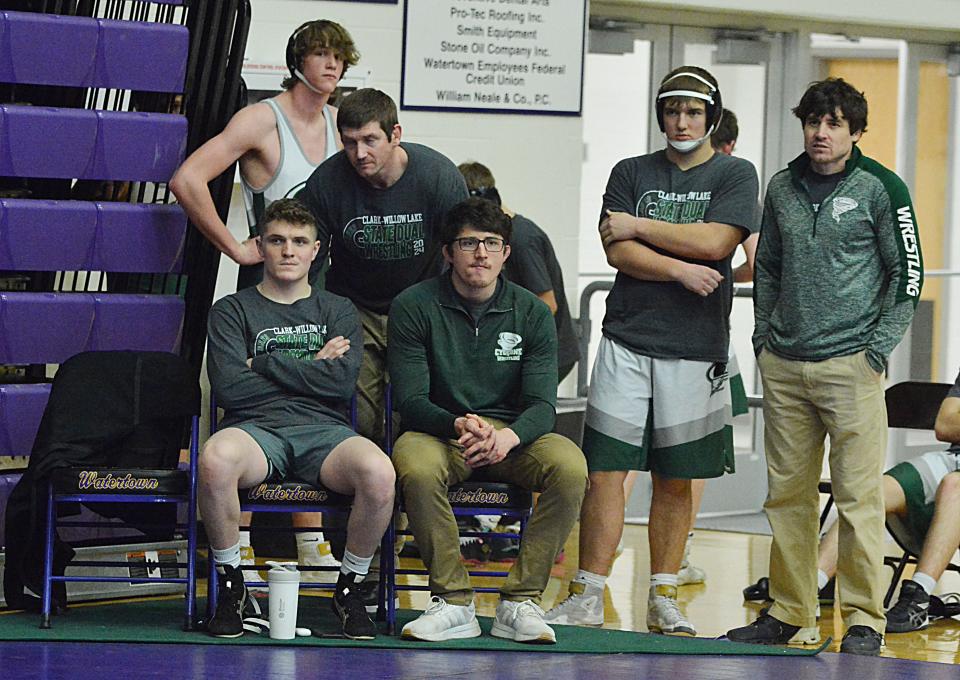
x: 158, y: 621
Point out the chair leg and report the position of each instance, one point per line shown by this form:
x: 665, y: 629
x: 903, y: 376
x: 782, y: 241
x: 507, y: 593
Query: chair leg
x: 381, y: 614
x: 211, y: 585
x: 190, y: 620
x: 48, y: 560
x: 897, y: 573
x: 826, y: 510
x: 388, y: 571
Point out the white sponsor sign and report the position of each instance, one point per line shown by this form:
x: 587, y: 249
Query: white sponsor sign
x: 499, y: 56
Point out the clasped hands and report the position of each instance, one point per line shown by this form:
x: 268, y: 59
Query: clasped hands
x: 481, y: 443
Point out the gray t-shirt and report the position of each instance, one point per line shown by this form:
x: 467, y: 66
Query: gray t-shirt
x: 381, y: 241
x: 285, y: 385
x: 662, y: 318
x: 533, y: 265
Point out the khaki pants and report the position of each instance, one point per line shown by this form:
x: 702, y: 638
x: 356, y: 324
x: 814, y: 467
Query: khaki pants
x: 803, y: 401
x: 552, y: 465
x: 372, y: 381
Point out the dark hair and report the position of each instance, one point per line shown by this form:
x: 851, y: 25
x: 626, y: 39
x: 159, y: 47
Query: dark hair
x: 727, y: 130
x: 288, y: 210
x: 313, y: 36
x: 826, y: 96
x: 480, y: 181
x: 367, y: 106
x: 692, y: 79
x: 479, y: 214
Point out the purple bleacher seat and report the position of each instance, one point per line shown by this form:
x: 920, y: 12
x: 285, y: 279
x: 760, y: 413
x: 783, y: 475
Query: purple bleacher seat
x: 142, y: 56
x: 21, y: 408
x: 137, y: 322
x: 44, y: 328
x: 143, y: 146
x: 81, y: 235
x: 40, y: 141
x: 46, y: 235
x: 140, y: 237
x: 72, y: 143
x: 47, y: 49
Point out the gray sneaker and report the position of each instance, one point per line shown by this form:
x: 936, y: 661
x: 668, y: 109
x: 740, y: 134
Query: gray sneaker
x: 522, y: 622
x: 583, y: 607
x: 663, y: 613
x: 443, y: 621
x: 689, y: 574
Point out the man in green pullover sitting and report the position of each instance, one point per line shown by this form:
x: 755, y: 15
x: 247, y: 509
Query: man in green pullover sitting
x: 473, y: 360
x: 838, y: 276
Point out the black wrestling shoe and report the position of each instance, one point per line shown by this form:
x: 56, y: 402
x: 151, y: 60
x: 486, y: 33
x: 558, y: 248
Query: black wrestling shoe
x: 912, y: 610
x: 767, y: 630
x: 760, y: 591
x: 862, y: 640
x: 227, y: 621
x: 348, y: 605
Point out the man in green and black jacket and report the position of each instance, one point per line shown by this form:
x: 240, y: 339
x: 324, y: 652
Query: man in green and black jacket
x: 473, y: 360
x: 838, y: 276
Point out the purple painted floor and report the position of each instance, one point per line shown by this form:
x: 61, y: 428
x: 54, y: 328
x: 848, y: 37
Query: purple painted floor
x: 80, y: 661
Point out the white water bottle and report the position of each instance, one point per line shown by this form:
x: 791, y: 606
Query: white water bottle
x: 284, y: 582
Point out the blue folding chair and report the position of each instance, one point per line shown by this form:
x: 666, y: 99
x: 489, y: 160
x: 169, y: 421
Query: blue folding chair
x: 300, y: 496
x: 110, y: 439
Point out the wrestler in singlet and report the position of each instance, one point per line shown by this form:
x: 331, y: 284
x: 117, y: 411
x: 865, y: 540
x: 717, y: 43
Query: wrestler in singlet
x: 292, y: 173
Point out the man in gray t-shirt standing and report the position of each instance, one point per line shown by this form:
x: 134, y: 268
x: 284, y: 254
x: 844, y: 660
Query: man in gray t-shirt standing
x: 378, y: 205
x: 659, y: 398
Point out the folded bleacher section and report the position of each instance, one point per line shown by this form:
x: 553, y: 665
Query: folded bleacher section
x: 100, y: 101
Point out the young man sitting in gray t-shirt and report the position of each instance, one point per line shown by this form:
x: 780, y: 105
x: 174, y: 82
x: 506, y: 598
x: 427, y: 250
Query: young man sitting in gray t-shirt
x: 283, y: 359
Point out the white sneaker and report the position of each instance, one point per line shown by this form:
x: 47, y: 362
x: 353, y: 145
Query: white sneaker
x: 248, y: 559
x: 689, y: 574
x: 583, y: 607
x: 443, y: 621
x: 522, y: 622
x: 664, y: 615
x: 318, y: 555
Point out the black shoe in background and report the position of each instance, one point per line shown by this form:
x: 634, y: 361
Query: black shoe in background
x: 827, y: 594
x: 759, y: 591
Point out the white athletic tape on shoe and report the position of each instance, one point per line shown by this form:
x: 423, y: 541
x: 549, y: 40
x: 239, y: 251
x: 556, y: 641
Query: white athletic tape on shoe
x: 260, y: 626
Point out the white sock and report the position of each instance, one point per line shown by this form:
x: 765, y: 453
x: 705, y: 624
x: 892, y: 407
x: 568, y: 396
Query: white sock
x: 226, y: 557
x: 352, y: 564
x: 244, y: 539
x: 924, y: 581
x: 307, y: 542
x: 822, y: 579
x: 663, y: 580
x: 590, y: 579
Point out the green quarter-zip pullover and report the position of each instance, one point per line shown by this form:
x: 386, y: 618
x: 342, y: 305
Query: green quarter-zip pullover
x: 444, y: 365
x: 841, y: 279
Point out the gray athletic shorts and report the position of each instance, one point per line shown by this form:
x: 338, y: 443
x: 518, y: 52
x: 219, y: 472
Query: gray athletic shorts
x: 297, y: 451
x: 919, y: 478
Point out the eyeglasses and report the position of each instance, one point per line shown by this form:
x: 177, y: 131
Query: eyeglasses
x: 491, y: 243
